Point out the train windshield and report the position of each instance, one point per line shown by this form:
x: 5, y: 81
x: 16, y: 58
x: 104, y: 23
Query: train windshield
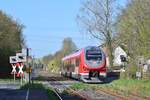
x: 93, y: 54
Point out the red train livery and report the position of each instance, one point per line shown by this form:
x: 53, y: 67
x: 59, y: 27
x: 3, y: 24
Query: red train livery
x: 87, y: 64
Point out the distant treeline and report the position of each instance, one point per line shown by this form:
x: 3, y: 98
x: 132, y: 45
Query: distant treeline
x: 54, y: 61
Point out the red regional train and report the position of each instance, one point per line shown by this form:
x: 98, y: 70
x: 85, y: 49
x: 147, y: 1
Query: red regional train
x: 87, y: 65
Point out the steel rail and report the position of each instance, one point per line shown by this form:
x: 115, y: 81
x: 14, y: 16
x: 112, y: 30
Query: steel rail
x: 57, y: 93
x: 74, y: 92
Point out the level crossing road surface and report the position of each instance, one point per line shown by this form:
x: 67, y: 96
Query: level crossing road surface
x: 7, y: 94
x: 16, y: 94
x: 9, y: 86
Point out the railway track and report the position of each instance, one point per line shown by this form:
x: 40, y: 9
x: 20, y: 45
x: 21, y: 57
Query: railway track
x: 59, y: 84
x: 101, y: 94
x: 57, y: 94
x: 59, y: 87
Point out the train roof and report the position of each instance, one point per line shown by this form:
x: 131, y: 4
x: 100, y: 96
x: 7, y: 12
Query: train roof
x: 74, y: 54
x: 77, y: 53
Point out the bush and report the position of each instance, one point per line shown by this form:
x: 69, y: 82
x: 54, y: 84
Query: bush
x: 130, y: 72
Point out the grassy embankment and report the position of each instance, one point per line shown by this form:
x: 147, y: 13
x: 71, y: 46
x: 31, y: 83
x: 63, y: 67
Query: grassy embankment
x: 39, y: 86
x: 121, y: 86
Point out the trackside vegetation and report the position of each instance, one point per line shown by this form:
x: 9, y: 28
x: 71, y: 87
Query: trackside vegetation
x: 11, y: 41
x: 53, y: 62
x: 9, y: 81
x: 123, y: 87
x: 39, y: 86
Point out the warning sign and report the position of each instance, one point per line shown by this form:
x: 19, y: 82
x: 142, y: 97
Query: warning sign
x: 20, y: 57
x: 12, y: 59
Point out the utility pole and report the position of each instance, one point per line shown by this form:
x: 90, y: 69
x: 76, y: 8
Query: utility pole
x: 28, y: 63
x: 32, y: 68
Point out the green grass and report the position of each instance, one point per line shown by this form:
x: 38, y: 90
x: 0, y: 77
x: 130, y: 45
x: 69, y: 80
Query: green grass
x: 9, y: 80
x: 80, y: 86
x: 39, y: 86
x: 132, y: 86
x: 123, y: 86
x: 33, y: 86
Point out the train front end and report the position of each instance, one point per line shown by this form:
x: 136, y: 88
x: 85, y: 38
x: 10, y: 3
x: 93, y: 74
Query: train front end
x: 94, y: 65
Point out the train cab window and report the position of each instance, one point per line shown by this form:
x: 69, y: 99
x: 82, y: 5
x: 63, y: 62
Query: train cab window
x: 93, y: 55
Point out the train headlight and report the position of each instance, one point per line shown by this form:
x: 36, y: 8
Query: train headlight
x: 84, y: 68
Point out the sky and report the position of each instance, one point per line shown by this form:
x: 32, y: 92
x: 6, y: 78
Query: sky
x: 47, y: 23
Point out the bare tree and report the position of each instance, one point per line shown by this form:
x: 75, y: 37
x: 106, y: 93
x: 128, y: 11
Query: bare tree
x: 96, y: 19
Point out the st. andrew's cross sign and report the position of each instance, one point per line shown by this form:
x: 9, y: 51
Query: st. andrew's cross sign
x: 13, y: 61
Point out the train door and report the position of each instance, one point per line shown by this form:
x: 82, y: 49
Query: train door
x: 76, y: 68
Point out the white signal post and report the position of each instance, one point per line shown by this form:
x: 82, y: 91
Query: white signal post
x: 14, y: 70
x: 13, y: 61
x: 21, y: 58
x: 20, y: 73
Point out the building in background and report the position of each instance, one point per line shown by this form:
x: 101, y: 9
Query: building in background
x: 118, y: 54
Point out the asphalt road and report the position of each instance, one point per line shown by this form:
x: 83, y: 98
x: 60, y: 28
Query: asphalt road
x: 9, y: 86
x: 7, y: 94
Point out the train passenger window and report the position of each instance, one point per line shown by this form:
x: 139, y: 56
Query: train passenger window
x: 66, y: 64
x: 77, y: 62
x: 72, y: 63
